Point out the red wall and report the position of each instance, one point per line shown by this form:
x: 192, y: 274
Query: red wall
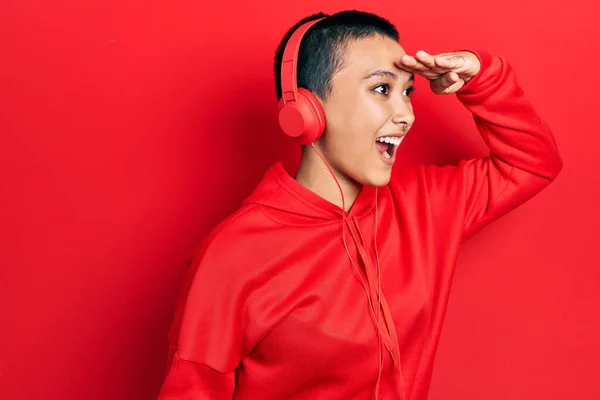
x: 128, y: 131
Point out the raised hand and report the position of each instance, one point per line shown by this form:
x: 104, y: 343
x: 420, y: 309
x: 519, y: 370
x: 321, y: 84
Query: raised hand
x: 446, y: 72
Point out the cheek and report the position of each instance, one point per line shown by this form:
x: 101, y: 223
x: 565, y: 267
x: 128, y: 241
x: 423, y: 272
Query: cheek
x: 359, y: 115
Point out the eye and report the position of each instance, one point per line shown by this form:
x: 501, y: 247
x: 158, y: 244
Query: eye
x: 410, y: 91
x: 385, y: 88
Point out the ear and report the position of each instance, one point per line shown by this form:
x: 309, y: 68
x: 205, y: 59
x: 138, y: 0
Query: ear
x: 321, y: 101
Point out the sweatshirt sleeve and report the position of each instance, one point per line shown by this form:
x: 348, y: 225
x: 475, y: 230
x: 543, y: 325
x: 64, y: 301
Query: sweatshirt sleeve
x: 188, y: 380
x: 210, y: 333
x: 523, y: 156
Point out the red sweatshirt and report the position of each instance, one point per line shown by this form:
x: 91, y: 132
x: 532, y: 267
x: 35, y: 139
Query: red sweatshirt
x: 276, y: 308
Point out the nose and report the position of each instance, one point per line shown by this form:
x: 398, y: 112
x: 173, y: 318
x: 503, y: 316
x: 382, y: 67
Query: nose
x: 403, y: 115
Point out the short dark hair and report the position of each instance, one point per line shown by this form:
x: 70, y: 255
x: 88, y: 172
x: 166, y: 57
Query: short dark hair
x: 322, y: 49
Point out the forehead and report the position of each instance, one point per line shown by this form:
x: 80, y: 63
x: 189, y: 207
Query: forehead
x: 365, y: 55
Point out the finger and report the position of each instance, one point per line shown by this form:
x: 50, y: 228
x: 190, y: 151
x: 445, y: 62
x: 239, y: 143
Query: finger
x: 448, y: 79
x: 456, y: 62
x: 444, y: 62
x: 411, y: 62
x: 454, y: 88
x: 426, y: 59
x: 449, y: 82
x: 427, y: 74
x: 438, y: 89
x: 450, y: 62
x: 408, y: 69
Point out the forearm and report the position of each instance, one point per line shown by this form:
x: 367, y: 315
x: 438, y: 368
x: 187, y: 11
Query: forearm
x: 515, y: 134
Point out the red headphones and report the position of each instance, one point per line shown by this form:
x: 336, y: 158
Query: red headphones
x: 300, y: 113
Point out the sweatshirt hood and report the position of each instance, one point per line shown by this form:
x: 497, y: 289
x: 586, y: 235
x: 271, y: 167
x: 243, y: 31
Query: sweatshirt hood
x: 299, y: 202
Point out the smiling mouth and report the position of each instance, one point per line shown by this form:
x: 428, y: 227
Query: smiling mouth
x: 387, y: 146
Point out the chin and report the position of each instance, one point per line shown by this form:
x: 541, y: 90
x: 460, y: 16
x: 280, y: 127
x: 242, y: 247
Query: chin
x: 378, y: 179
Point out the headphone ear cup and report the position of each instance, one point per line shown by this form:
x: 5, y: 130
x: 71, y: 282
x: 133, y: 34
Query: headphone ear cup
x: 304, y: 119
x: 316, y: 126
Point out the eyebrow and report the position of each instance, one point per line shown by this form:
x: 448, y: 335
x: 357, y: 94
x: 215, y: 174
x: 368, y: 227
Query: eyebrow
x: 387, y: 74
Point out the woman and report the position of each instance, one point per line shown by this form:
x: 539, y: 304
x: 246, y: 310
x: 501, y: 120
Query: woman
x: 332, y: 283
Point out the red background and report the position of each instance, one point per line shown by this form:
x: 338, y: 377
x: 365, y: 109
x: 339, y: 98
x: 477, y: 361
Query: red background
x: 129, y: 129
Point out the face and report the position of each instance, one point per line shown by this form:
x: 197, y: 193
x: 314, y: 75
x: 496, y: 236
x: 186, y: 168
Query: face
x: 368, y: 112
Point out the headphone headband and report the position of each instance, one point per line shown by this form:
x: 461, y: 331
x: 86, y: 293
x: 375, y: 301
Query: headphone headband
x: 300, y: 113
x: 289, y: 62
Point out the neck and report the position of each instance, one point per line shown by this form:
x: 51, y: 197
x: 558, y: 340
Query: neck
x: 314, y: 175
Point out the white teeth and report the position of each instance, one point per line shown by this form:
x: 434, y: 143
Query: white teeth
x: 394, y: 140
